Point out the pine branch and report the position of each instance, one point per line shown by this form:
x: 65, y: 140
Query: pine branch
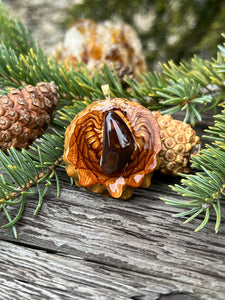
x: 179, y: 87
x: 17, y: 70
x: 194, y: 87
x: 171, y: 91
x: 33, y: 170
x: 14, y: 34
x: 206, y: 187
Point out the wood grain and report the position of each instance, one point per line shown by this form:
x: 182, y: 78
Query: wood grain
x: 83, y: 246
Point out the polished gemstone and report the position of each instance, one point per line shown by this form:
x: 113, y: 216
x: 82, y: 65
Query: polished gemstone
x: 118, y: 144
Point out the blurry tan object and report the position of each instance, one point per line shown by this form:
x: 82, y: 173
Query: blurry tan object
x: 92, y: 43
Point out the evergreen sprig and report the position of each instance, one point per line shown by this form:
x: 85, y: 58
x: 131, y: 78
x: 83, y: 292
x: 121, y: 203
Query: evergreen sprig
x: 194, y: 87
x: 14, y: 34
x: 206, y: 187
x: 33, y: 170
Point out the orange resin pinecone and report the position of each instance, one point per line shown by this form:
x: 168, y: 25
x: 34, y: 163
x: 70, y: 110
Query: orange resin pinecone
x: 25, y: 114
x: 114, y: 145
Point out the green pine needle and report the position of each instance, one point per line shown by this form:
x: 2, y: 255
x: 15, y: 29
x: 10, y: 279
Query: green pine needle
x: 10, y: 220
x: 205, y: 221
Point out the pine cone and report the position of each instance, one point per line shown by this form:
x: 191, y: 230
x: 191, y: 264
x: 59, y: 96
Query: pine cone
x: 92, y: 43
x: 179, y: 141
x: 25, y: 114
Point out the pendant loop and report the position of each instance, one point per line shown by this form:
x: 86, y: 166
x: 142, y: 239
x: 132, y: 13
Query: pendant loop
x: 106, y: 91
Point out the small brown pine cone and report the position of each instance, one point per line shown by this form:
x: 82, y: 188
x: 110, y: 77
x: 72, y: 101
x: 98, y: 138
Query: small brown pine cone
x: 25, y: 114
x: 179, y: 141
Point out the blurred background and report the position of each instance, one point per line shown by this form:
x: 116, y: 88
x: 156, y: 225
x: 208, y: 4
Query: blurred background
x: 171, y: 29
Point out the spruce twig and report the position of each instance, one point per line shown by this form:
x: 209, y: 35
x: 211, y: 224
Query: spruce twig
x: 206, y: 187
x: 37, y: 165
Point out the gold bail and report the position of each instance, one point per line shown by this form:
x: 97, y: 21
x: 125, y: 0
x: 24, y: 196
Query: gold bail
x: 106, y: 91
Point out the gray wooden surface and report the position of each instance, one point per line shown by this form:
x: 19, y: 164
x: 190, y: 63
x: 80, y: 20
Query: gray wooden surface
x: 83, y: 246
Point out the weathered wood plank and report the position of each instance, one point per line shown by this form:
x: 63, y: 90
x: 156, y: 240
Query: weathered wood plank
x: 34, y: 274
x: 136, y: 237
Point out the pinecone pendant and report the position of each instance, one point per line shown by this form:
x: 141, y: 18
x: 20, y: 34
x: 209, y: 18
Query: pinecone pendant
x: 114, y: 145
x: 25, y: 114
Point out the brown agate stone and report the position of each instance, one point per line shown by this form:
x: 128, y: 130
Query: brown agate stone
x: 118, y: 144
x: 111, y: 147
